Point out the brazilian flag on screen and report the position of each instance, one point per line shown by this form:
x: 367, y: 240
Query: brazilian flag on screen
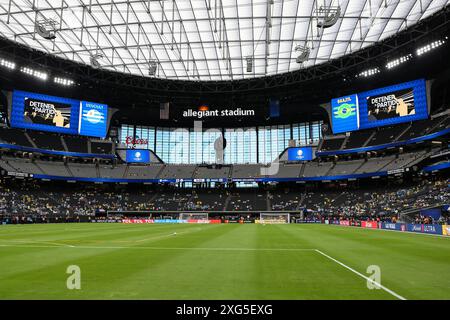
x: 345, y: 113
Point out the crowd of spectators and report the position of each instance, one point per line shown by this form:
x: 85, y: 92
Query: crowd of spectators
x: 31, y: 199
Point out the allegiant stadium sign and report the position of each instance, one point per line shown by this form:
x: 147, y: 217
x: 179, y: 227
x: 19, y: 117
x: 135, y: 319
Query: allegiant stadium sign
x: 204, y: 112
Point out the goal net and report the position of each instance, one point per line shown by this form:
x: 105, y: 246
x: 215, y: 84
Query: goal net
x: 274, y: 218
x: 194, y: 216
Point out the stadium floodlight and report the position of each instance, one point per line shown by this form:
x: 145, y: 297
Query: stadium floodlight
x: 274, y: 218
x: 369, y: 72
x: 431, y: 46
x: 304, y: 52
x: 152, y: 67
x: 328, y: 16
x: 63, y: 81
x: 34, y: 73
x: 399, y: 61
x: 46, y: 28
x: 7, y: 64
x: 249, y: 61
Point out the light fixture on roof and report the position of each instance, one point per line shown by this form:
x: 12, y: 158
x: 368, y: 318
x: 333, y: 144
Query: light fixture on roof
x: 431, y: 46
x: 152, y: 67
x: 398, y: 61
x: 368, y: 73
x: 63, y: 81
x: 34, y: 73
x: 94, y: 59
x: 249, y: 61
x: 328, y: 16
x: 46, y: 28
x: 7, y: 64
x: 303, y: 53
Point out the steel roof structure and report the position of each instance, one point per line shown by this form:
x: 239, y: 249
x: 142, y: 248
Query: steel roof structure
x: 207, y: 40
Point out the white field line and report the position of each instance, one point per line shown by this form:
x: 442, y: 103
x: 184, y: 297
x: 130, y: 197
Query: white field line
x: 362, y: 276
x: 40, y: 241
x: 170, y: 235
x: 163, y: 248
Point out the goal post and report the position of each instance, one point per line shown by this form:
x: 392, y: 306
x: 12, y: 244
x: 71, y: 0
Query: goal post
x: 194, y: 216
x: 274, y: 218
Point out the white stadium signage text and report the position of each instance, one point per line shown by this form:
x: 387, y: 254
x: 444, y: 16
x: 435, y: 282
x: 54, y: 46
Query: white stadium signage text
x: 190, y: 113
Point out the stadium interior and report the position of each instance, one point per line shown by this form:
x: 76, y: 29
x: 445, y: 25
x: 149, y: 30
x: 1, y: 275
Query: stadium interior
x: 300, y: 111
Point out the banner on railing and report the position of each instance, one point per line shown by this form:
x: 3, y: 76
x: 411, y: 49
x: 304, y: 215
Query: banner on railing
x: 369, y: 224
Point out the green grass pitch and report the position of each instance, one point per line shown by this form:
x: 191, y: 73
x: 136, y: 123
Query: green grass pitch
x: 119, y: 261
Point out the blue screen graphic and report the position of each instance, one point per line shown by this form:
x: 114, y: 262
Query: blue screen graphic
x: 43, y: 112
x: 93, y: 119
x: 300, y: 154
x: 394, y: 104
x: 345, y: 113
x: 138, y: 156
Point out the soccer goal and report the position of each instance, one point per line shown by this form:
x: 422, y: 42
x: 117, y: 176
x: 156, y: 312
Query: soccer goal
x: 194, y: 216
x: 274, y: 218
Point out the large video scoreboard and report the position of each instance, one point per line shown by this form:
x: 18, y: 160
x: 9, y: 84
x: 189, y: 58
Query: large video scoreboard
x: 57, y: 114
x: 380, y: 107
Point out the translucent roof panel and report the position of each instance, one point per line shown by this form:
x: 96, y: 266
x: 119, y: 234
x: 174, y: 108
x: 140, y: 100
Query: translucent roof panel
x: 206, y: 39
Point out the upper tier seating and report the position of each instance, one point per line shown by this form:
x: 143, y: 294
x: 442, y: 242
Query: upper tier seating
x: 76, y: 144
x: 357, y: 139
x: 46, y: 140
x: 387, y: 134
x: 105, y: 147
x: 14, y: 136
x: 332, y: 144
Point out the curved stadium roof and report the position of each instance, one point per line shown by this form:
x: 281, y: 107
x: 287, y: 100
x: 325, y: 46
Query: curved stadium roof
x: 206, y: 39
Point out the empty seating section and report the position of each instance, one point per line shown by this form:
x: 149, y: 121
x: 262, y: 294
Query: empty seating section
x: 345, y: 167
x: 4, y: 164
x: 357, y: 139
x: 441, y: 126
x: 112, y: 172
x: 375, y: 165
x: 83, y: 170
x: 316, y: 169
x: 54, y: 141
x: 288, y: 171
x: 404, y: 160
x: 76, y: 144
x: 244, y: 171
x: 46, y: 140
x: 209, y: 173
x: 387, y: 134
x: 53, y: 168
x: 98, y: 147
x: 332, y: 144
x: 22, y: 165
x: 143, y: 172
x: 14, y: 136
x: 178, y: 172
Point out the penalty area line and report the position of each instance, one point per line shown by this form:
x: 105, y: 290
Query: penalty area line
x: 362, y: 276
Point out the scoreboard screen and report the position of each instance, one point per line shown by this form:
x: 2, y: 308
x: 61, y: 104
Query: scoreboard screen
x: 57, y: 114
x: 300, y: 154
x: 384, y: 106
x: 43, y: 112
x: 137, y: 156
